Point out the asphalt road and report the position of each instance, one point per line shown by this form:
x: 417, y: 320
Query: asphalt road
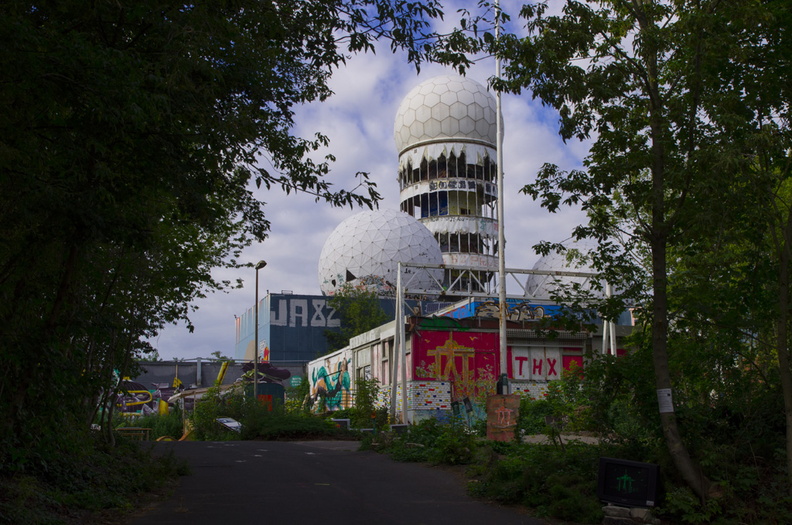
x: 313, y: 482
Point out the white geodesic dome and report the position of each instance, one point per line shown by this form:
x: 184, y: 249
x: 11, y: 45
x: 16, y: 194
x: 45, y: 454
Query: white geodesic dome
x: 446, y: 107
x: 574, y: 259
x: 365, y: 249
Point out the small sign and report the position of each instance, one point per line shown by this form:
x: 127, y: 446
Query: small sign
x: 665, y: 401
x: 343, y: 424
x: 295, y: 381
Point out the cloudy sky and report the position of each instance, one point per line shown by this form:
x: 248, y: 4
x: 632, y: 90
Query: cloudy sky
x: 359, y: 119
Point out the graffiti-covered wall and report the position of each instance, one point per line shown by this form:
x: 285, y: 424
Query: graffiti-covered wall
x: 331, y: 382
x: 466, y: 360
x: 291, y: 327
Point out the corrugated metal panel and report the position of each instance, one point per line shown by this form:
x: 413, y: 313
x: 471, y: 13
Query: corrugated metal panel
x: 531, y: 334
x: 460, y: 224
x: 475, y: 153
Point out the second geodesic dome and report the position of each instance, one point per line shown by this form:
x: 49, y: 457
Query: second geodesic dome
x: 365, y: 250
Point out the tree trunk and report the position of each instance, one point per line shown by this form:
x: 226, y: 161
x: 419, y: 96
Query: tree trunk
x: 782, y: 335
x: 689, y: 469
x: 657, y: 233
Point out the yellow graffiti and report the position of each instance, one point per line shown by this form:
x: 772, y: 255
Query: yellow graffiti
x: 451, y: 350
x: 146, y: 398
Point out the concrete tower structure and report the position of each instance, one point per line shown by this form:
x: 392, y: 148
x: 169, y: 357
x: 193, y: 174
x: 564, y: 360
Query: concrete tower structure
x: 446, y: 136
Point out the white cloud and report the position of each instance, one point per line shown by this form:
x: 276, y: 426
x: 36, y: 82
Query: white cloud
x: 358, y: 119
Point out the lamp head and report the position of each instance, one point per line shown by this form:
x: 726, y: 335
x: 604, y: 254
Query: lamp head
x: 260, y: 265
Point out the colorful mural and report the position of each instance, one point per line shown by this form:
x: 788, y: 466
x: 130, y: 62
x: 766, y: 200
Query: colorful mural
x: 331, y: 383
x: 522, y: 311
x: 467, y: 360
x: 135, y: 398
x: 518, y: 310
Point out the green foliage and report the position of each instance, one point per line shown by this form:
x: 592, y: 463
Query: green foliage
x: 277, y: 424
x: 130, y: 138
x: 91, y: 477
x: 533, y: 415
x: 219, y: 357
x: 365, y: 413
x: 168, y: 425
x: 454, y: 446
x: 686, y: 190
x: 434, y: 442
x: 297, y: 395
x: 552, y: 482
x: 258, y: 421
x: 213, y: 404
x: 359, y: 310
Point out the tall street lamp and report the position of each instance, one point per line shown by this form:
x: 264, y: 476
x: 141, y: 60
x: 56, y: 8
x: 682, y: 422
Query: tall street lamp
x: 259, y: 266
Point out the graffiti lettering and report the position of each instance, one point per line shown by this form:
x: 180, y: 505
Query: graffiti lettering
x: 295, y: 312
x: 522, y: 361
x: 551, y: 371
x: 504, y: 416
x: 318, y: 318
x: 536, y: 363
x: 298, y: 312
x: 520, y: 312
x: 280, y: 317
x: 332, y: 320
x: 624, y: 484
x: 454, y: 185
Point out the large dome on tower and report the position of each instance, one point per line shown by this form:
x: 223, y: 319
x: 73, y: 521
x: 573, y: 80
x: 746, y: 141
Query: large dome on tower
x: 574, y: 259
x: 446, y: 107
x: 365, y: 249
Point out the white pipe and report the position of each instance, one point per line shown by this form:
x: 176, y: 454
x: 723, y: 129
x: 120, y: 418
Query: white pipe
x: 396, y: 343
x: 501, y: 216
x: 608, y: 329
x: 403, y: 340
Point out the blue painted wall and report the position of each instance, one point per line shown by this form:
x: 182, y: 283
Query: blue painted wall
x: 292, y: 326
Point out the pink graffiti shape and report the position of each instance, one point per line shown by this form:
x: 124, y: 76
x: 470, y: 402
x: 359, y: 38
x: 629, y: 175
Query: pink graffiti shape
x: 504, y: 416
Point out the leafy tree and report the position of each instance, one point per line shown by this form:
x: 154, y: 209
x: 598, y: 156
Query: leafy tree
x: 220, y: 357
x: 359, y: 310
x: 130, y: 137
x: 659, y: 87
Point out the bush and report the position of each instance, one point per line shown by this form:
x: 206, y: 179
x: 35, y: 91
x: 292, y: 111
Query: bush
x: 432, y: 441
x: 167, y: 425
x: 212, y: 405
x: 92, y: 477
x: 364, y: 413
x: 258, y: 421
x: 555, y: 482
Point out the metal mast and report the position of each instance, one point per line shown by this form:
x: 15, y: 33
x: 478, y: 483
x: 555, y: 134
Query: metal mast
x: 503, y: 383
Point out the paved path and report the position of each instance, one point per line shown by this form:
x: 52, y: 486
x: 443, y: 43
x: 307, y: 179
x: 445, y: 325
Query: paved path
x: 314, y: 482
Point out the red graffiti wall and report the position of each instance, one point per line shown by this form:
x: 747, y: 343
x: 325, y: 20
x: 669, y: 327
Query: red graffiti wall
x: 468, y: 360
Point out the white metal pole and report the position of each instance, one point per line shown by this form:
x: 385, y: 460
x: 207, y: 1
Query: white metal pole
x: 503, y: 310
x: 255, y: 339
x: 612, y: 325
x: 396, y: 343
x: 607, y: 331
x: 613, y: 337
x: 403, y: 341
x: 259, y: 266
